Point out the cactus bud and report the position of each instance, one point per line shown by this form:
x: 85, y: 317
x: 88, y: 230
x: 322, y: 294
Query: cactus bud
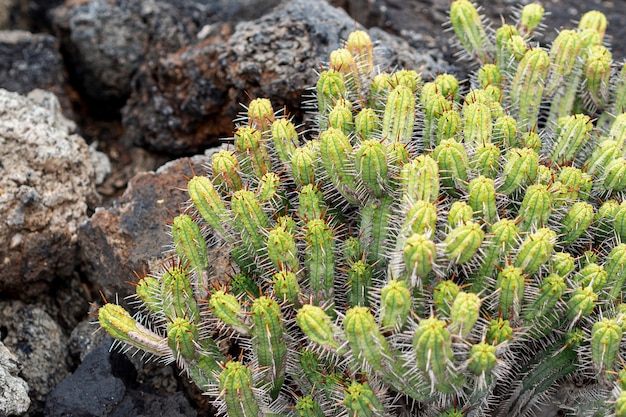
x: 284, y: 138
x: 519, y: 170
x: 367, y: 123
x: 482, y: 198
x: 606, y: 337
x: 536, y: 207
x: 249, y: 218
x: 464, y: 313
x: 226, y: 307
x: 236, y: 390
x: 535, y: 250
x: 318, y: 326
x: 208, y: 202
x: 303, y: 162
x: 511, y: 285
x: 462, y: 243
x: 530, y: 18
x: 486, y: 160
x: 260, y: 114
x: 182, y: 337
x: 453, y: 162
x: 286, y: 287
x: 594, y: 20
x: 360, y: 45
x: 420, y: 178
x: 419, y: 255
x: 444, y: 294
x: 469, y: 30
x: 281, y: 249
x: 460, y: 213
x: 360, y: 400
x: 581, y: 303
x: 482, y: 358
x: 371, y: 164
x: 395, y: 304
x: 576, y: 222
x: 433, y: 348
x: 225, y: 168
x: 448, y: 125
x: 499, y: 331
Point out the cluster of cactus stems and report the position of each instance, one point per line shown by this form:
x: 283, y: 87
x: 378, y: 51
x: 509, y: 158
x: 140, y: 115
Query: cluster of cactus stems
x: 429, y: 249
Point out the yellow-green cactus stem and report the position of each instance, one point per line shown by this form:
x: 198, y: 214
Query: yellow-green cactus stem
x: 119, y: 324
x: 337, y: 155
x: 420, y: 179
x: 462, y: 242
x: 432, y: 345
x: 310, y: 203
x: 578, y: 219
x: 361, y: 401
x: 330, y: 87
x: 340, y: 117
x: 489, y: 74
x: 510, y: 284
x: 620, y: 404
x: 505, y: 131
x: 399, y: 115
x: 614, y: 175
x: 319, y: 327
x: 516, y: 48
x: 359, y: 284
x: 260, y: 114
x: 365, y: 339
x: 379, y: 90
x: 598, y: 74
x: 447, y: 86
x: 528, y: 85
x: 619, y: 221
x: 268, y: 340
x: 434, y: 105
x: 564, y: 53
x: 618, y: 129
x: 562, y: 263
x: 478, y: 126
x: 530, y: 18
x: 572, y: 178
x: 342, y: 60
x: 419, y: 255
x: 594, y: 20
x: 482, y: 359
x: 581, y: 303
x: 449, y: 125
x: 308, y: 407
x: 148, y: 291
x: 227, y: 308
x: 571, y: 132
x: 615, y: 267
x: 464, y: 313
x: 551, y: 290
x: 303, y: 163
x: 421, y: 218
x: 592, y: 275
x: 606, y: 337
x: 535, y: 250
x: 208, y: 202
x: 182, y: 337
x: 460, y: 213
x: 536, y: 207
x: 251, y: 151
x: 444, y: 294
x: 189, y: 242
x: 374, y: 229
x: 225, y: 169
x: 482, y: 198
x: 249, y: 218
x: 371, y: 165
x: 319, y: 260
x: 236, y: 390
x: 281, y: 249
x: 519, y: 170
x: 360, y: 45
x: 284, y: 138
x: 499, y: 241
x: 469, y: 29
x: 604, y: 220
x: 177, y: 294
x: 486, y: 160
x: 499, y: 331
x: 286, y: 287
x: 268, y: 189
x: 367, y: 123
x: 503, y: 37
x: 395, y: 305
x: 619, y: 100
x: 407, y: 78
x: 453, y: 162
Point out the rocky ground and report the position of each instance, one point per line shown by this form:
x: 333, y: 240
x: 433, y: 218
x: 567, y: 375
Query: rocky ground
x: 105, y: 108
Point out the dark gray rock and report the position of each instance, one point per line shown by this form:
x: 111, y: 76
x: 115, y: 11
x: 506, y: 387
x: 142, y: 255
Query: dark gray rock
x: 29, y: 61
x: 105, y: 385
x: 105, y: 42
x: 40, y: 346
x: 185, y: 101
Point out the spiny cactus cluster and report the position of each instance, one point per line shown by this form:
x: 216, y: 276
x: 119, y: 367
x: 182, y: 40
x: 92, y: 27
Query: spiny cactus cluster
x: 429, y: 249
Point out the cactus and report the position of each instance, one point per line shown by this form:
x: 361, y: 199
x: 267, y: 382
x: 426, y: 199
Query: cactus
x: 420, y: 252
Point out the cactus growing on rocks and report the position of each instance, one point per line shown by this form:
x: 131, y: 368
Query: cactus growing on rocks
x: 425, y: 251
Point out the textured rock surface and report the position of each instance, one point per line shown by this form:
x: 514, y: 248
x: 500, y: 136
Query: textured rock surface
x: 106, y: 42
x: 129, y: 237
x: 45, y: 187
x: 13, y: 389
x: 39, y: 345
x: 105, y: 384
x: 184, y: 101
x: 29, y: 61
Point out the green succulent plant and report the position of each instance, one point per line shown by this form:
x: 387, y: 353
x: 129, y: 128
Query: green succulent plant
x: 428, y: 249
